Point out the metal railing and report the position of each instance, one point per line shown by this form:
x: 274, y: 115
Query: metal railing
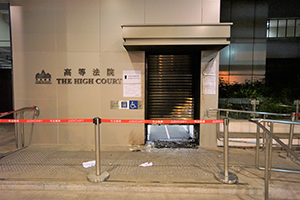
x: 265, y: 114
x: 19, y: 127
x: 268, y: 136
x: 268, y: 154
x: 227, y: 111
x: 244, y: 111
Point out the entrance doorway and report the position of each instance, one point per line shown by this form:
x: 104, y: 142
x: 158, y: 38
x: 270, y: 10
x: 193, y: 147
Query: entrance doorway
x: 172, y: 92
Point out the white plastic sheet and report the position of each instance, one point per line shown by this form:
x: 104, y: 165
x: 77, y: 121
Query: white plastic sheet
x: 146, y: 164
x: 88, y: 164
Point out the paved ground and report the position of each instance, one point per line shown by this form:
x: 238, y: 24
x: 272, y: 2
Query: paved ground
x: 56, y: 172
x: 7, y: 138
x: 84, y: 195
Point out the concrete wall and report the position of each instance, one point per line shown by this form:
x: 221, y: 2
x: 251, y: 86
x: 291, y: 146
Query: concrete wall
x: 209, y: 95
x: 56, y: 35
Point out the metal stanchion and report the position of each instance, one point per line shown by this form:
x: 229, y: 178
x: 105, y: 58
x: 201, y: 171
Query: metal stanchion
x: 257, y: 147
x: 297, y: 103
x: 22, y: 130
x: 97, y: 177
x: 292, y: 126
x: 19, y: 131
x: 268, y: 161
x: 226, y: 176
x: 218, y: 126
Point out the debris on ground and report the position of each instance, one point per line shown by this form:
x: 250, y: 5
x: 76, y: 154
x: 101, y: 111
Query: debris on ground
x: 134, y: 150
x: 146, y: 164
x: 141, y: 148
x: 88, y: 164
x: 175, y: 144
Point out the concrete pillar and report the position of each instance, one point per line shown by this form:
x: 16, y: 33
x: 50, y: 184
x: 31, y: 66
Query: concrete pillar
x: 209, y: 96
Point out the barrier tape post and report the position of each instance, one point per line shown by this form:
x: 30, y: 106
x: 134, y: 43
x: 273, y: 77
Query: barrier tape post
x: 268, y: 161
x: 297, y: 103
x: 19, y: 130
x: 226, y: 176
x: 292, y: 127
x: 97, y: 177
x: 226, y: 164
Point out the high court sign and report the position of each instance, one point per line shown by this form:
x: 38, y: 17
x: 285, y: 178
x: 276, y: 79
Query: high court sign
x: 45, y: 78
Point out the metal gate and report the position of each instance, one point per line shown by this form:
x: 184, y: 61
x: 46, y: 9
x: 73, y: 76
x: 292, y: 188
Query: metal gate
x: 170, y: 87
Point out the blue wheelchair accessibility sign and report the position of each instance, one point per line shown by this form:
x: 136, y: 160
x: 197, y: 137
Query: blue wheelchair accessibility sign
x: 133, y: 104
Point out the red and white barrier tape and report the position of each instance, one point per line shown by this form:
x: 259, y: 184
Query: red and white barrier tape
x: 134, y: 121
x: 45, y: 120
x: 130, y: 121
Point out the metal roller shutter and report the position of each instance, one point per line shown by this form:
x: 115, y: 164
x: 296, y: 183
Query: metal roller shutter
x: 170, y: 87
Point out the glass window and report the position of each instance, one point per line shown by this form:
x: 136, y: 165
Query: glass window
x: 290, y: 28
x: 273, y: 28
x: 278, y: 28
x: 5, y: 48
x: 268, y: 28
x: 281, y: 28
x: 298, y: 28
x: 239, y: 79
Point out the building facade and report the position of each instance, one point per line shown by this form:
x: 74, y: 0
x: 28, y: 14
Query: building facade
x: 264, y: 42
x: 283, y: 47
x: 245, y: 58
x: 79, y: 59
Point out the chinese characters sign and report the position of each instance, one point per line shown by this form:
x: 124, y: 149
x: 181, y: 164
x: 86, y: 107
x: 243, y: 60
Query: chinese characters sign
x: 86, y: 77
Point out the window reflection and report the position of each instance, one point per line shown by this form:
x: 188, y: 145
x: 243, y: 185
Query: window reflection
x: 297, y: 28
x: 5, y: 49
x: 278, y: 28
x: 290, y: 28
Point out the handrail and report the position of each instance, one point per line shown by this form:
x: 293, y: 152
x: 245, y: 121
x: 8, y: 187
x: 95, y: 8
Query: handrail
x: 240, y: 111
x: 244, y: 111
x: 257, y: 121
x: 268, y: 150
x: 268, y: 138
x: 37, y: 111
x: 19, y: 128
x: 276, y: 121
